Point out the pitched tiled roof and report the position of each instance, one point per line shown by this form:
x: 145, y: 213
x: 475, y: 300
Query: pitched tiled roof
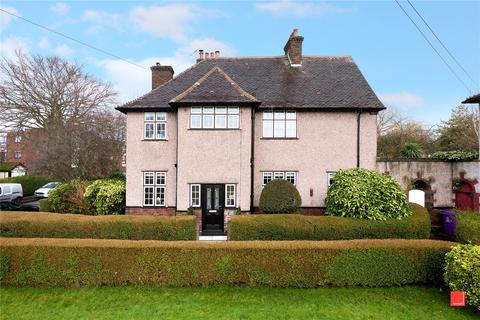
x: 321, y: 82
x: 473, y: 99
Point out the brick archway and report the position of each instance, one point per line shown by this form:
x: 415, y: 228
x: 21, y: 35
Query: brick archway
x: 466, y: 197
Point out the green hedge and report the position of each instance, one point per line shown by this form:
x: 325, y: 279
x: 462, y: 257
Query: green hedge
x: 29, y: 183
x: 468, y: 227
x: 52, y: 225
x: 300, y: 227
x: 89, y: 262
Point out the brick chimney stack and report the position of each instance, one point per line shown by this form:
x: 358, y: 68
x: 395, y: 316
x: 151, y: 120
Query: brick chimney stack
x: 161, y: 74
x: 293, y: 49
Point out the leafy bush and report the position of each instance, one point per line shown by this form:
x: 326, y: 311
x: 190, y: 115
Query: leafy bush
x: 300, y: 227
x: 106, y: 196
x: 44, y: 205
x: 117, y: 175
x: 52, y: 225
x: 280, y: 196
x: 68, y: 197
x: 455, y: 155
x: 411, y: 150
x: 366, y: 194
x: 29, y: 183
x: 468, y: 227
x: 462, y: 272
x: 303, y: 264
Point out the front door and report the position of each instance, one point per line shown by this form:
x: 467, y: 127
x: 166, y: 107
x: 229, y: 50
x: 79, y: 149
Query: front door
x: 212, y: 208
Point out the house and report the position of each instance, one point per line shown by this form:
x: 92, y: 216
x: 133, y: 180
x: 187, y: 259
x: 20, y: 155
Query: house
x: 214, y: 135
x: 17, y: 147
x: 12, y: 169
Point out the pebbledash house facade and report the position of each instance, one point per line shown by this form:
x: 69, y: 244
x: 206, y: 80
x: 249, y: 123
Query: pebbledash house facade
x: 212, y: 137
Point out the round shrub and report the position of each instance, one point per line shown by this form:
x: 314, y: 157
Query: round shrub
x: 366, y: 194
x: 68, y: 197
x: 280, y: 196
x: 106, y: 197
x: 462, y: 272
x: 92, y: 191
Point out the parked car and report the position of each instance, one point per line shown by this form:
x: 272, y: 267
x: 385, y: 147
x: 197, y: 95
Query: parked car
x: 43, y: 191
x: 11, y: 192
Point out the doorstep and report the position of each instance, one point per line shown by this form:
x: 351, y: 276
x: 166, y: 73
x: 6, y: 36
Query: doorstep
x: 212, y: 238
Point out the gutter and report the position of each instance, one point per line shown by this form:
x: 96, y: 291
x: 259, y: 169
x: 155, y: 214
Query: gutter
x: 252, y: 158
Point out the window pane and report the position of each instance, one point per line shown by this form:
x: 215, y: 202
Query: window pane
x: 220, y: 121
x: 220, y: 110
x: 291, y: 115
x: 279, y: 115
x: 330, y: 178
x: 149, y: 116
x: 268, y: 115
x: 161, y: 178
x: 278, y: 175
x: 267, y: 177
x: 290, y: 176
x: 279, y: 129
x: 207, y: 121
x: 160, y: 196
x: 148, y: 178
x: 161, y: 133
x: 196, y: 121
x: 197, y: 110
x: 161, y: 116
x: 233, y: 121
x: 233, y: 110
x: 291, y: 129
x: 195, y: 195
x: 148, y: 196
x: 149, y: 130
x: 230, y: 201
x: 209, y: 110
x: 267, y: 128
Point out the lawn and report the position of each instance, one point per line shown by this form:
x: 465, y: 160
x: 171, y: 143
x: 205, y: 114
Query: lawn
x: 229, y: 303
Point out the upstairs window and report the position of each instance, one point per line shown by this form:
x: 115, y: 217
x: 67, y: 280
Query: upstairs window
x: 279, y: 124
x: 17, y: 155
x: 155, y: 127
x: 214, y: 118
x: 18, y: 138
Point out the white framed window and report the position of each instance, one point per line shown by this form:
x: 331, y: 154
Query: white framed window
x: 195, y: 195
x: 330, y: 177
x: 214, y: 117
x: 290, y: 176
x: 230, y: 195
x: 279, y: 124
x: 154, y: 188
x: 18, y: 138
x: 155, y: 126
x: 17, y: 155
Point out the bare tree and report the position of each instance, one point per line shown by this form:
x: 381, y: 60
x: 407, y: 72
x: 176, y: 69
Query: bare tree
x: 388, y: 120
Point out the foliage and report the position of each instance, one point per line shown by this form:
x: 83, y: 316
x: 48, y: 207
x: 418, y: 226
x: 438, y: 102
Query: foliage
x: 300, y: 227
x: 106, y: 196
x: 462, y: 272
x: 468, y: 227
x: 117, y: 175
x: 68, y: 197
x: 280, y: 196
x: 366, y: 194
x: 301, y: 264
x: 44, y: 205
x: 4, y: 266
x: 52, y: 225
x: 29, y: 183
x: 191, y: 211
x: 411, y: 150
x: 458, y: 133
x: 454, y: 155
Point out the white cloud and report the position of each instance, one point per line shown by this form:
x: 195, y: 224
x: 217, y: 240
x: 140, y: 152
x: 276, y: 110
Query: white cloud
x: 5, y: 18
x: 402, y: 100
x: 102, y: 20
x: 60, y: 8
x: 299, y: 9
x: 44, y: 43
x: 11, y: 44
x: 170, y: 21
x: 63, y: 50
x: 132, y: 82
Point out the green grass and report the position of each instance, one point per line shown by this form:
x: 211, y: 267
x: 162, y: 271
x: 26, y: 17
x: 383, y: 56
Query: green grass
x: 229, y: 303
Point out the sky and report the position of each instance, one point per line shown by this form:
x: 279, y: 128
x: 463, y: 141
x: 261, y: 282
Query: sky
x: 403, y: 70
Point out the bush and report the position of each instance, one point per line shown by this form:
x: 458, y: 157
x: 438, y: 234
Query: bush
x: 44, y: 205
x: 366, y: 194
x: 455, y: 155
x: 300, y: 227
x: 280, y: 196
x: 411, y: 150
x: 303, y: 264
x: 51, y: 225
x: 462, y: 272
x: 68, y: 197
x: 106, y: 197
x: 468, y: 227
x: 117, y: 175
x: 29, y: 183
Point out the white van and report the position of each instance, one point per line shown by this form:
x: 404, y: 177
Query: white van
x: 11, y: 192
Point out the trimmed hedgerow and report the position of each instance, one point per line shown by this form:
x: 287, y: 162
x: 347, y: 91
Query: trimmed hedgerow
x: 300, y: 227
x: 468, y: 227
x: 462, y: 272
x: 29, y: 183
x: 280, y: 196
x: 366, y: 194
x: 51, y: 225
x: 303, y: 264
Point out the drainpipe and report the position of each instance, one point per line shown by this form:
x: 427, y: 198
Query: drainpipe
x: 176, y: 168
x: 358, y: 137
x: 252, y: 158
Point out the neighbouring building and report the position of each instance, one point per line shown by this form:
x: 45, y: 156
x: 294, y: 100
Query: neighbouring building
x: 11, y: 169
x: 213, y: 136
x: 16, y: 147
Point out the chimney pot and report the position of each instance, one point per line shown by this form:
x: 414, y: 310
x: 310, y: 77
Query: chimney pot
x: 293, y: 49
x: 217, y: 54
x: 207, y: 56
x: 212, y: 55
x: 161, y: 74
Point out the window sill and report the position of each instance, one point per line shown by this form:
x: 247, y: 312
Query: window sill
x: 144, y: 206
x: 213, y: 129
x: 154, y: 139
x: 279, y: 138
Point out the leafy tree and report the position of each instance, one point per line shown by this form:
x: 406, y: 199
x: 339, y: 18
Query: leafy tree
x: 459, y: 133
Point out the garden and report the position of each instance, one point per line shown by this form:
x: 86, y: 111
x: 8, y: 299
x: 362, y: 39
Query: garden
x: 370, y: 256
